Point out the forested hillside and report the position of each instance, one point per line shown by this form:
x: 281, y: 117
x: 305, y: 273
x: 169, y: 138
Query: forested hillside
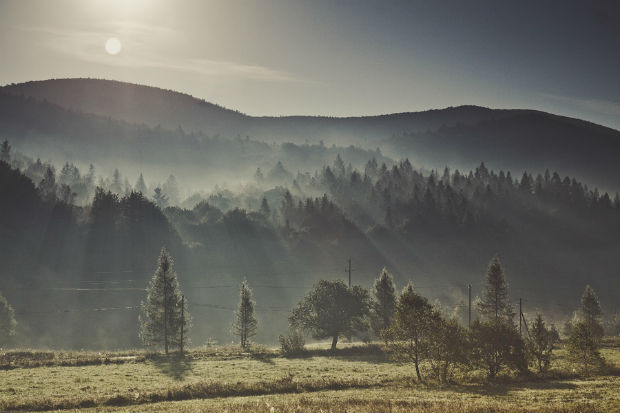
x: 86, y: 267
x: 175, y: 126
x: 49, y: 131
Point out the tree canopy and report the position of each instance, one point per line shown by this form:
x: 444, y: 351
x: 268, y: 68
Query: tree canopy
x: 331, y: 309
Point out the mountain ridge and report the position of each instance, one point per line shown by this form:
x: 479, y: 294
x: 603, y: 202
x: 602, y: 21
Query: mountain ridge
x: 461, y: 136
x: 40, y: 89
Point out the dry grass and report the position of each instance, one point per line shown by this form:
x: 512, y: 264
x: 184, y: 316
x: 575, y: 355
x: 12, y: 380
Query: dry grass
x: 354, y: 378
x: 583, y: 396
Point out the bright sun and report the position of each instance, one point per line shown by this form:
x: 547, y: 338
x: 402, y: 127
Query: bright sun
x: 113, y: 46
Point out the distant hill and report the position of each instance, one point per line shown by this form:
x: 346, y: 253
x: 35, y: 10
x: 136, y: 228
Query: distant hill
x: 131, y: 103
x: 49, y: 131
x: 457, y: 136
x: 169, y: 109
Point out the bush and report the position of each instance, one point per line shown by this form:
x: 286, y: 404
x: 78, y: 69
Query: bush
x: 292, y: 343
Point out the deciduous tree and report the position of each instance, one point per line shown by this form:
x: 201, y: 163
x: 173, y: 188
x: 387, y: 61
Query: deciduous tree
x: 331, y: 309
x: 410, y: 333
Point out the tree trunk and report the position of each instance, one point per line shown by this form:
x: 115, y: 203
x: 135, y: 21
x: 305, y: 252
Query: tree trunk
x: 417, y: 368
x: 334, y: 342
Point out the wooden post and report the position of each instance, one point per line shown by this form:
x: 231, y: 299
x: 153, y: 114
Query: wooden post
x: 165, y: 313
x: 520, y: 318
x: 349, y: 270
x: 469, y: 288
x: 182, y: 320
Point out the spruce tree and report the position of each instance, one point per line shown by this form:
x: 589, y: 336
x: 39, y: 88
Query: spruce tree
x: 540, y: 344
x: 495, y: 304
x: 245, y: 323
x: 591, y: 311
x: 140, y: 185
x: 385, y: 301
x: 7, y: 321
x: 164, y: 319
x: 171, y: 189
x: 116, y: 186
x: 5, y: 151
x: 160, y: 199
x: 583, y: 348
x: 47, y: 186
x: 495, y: 341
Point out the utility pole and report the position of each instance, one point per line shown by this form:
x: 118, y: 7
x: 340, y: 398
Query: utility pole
x: 165, y: 313
x: 349, y: 271
x: 182, y: 320
x: 520, y: 318
x: 469, y: 322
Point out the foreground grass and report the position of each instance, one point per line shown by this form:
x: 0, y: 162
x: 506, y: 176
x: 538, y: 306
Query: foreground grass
x: 359, y: 378
x: 599, y: 395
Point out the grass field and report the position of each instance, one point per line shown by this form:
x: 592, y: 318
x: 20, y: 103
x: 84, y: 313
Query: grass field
x: 355, y: 378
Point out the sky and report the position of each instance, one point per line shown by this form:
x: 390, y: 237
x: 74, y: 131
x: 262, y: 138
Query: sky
x: 336, y: 58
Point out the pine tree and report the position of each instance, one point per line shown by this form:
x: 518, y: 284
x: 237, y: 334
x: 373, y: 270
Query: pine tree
x: 583, y: 348
x: 47, y: 186
x: 171, y: 189
x: 495, y: 304
x: 90, y: 176
x: 385, y: 301
x: 164, y: 319
x: 7, y: 321
x: 116, y: 186
x: 592, y: 312
x: 140, y: 185
x: 5, y: 151
x: 339, y: 166
x: 161, y: 200
x: 495, y: 341
x: 245, y: 323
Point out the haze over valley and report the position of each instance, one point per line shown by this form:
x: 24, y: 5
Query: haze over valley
x: 244, y: 198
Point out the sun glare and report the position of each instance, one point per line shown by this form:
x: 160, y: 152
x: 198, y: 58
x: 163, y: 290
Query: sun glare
x: 113, y: 46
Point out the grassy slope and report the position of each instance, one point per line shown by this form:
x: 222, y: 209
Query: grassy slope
x: 219, y: 380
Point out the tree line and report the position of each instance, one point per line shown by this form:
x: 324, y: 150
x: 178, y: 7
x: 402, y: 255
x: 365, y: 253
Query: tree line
x: 413, y: 329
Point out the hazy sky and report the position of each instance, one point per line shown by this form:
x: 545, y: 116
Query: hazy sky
x: 332, y: 58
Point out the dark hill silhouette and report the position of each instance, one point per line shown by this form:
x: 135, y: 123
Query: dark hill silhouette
x: 132, y: 103
x: 169, y: 109
x: 456, y: 136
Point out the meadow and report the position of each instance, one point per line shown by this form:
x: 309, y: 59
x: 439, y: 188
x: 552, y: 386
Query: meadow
x: 356, y: 377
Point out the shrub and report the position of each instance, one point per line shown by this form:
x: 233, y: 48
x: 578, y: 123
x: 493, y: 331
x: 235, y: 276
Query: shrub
x: 292, y: 343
